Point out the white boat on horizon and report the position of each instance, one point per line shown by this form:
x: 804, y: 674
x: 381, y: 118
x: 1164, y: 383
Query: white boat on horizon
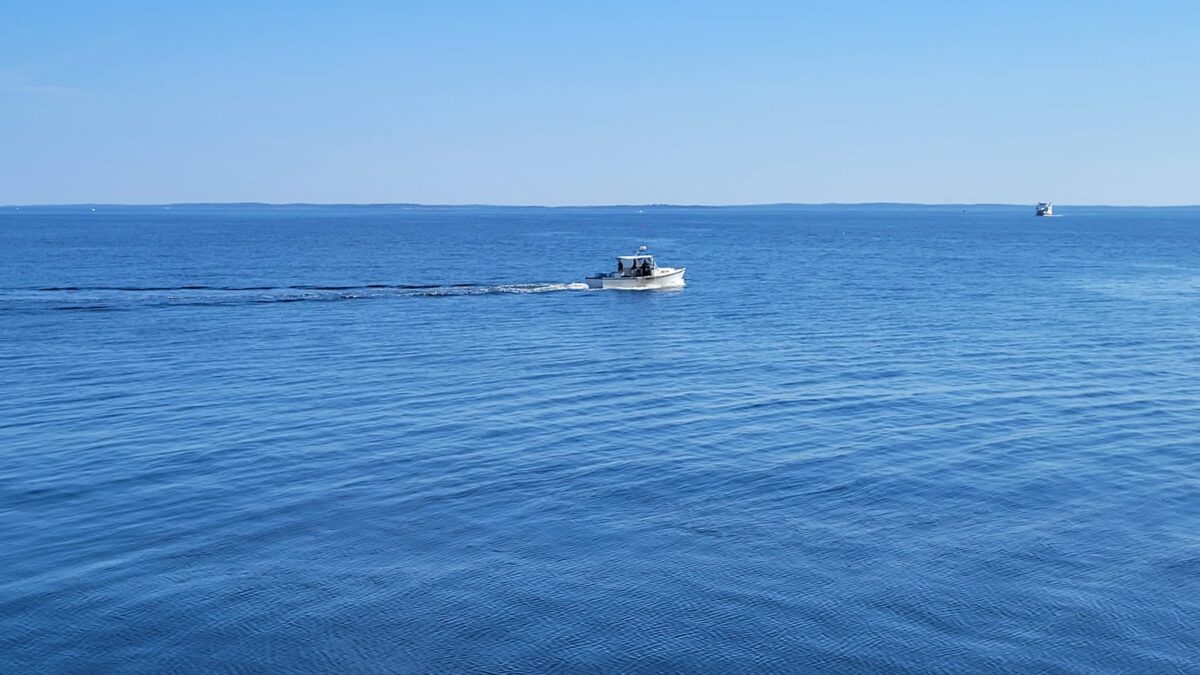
x: 1043, y: 209
x: 638, y: 272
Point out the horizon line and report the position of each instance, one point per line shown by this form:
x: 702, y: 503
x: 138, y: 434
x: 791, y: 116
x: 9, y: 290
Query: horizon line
x: 573, y: 206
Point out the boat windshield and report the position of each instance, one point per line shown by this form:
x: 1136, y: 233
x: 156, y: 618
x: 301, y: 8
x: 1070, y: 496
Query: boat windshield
x: 635, y: 265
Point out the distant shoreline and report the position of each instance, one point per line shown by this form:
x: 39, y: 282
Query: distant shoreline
x: 402, y: 205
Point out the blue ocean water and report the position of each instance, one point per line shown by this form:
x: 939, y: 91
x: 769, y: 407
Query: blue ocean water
x: 402, y: 439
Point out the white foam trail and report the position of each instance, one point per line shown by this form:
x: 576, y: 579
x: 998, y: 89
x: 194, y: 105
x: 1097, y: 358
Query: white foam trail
x: 129, y: 297
x: 499, y: 288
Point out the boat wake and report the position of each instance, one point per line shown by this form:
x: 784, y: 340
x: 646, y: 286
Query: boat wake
x: 116, y: 298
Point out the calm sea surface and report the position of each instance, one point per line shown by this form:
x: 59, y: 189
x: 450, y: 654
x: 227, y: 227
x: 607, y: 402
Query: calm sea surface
x: 389, y: 439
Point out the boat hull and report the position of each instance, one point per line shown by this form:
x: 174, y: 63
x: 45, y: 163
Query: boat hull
x: 669, y: 279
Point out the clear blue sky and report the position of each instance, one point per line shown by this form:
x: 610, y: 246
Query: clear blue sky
x: 602, y: 102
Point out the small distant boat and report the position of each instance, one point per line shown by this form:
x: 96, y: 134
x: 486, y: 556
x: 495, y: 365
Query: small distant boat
x: 1044, y: 209
x: 638, y: 272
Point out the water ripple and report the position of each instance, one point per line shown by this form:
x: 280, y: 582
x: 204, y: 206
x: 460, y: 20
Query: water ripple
x: 900, y: 441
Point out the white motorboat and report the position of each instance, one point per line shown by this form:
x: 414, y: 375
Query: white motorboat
x: 638, y: 272
x: 1044, y: 209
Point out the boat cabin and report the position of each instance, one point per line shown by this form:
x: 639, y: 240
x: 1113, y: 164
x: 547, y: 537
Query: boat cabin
x: 640, y: 265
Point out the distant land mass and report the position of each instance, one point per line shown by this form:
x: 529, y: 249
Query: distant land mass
x: 413, y: 205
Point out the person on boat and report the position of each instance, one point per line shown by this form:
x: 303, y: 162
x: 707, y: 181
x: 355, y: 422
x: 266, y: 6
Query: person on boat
x: 645, y: 268
x: 620, y: 266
